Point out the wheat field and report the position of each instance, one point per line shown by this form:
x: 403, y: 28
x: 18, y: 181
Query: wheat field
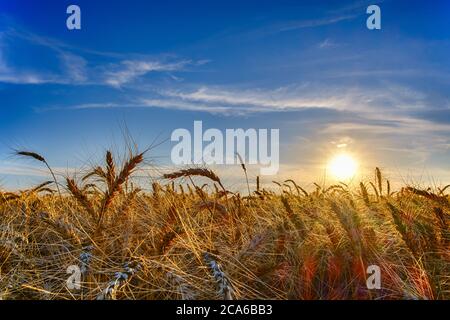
x: 192, y: 238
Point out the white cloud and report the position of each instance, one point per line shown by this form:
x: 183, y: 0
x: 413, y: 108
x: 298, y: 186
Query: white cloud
x: 25, y: 78
x: 10, y: 168
x: 129, y: 70
x: 10, y: 75
x: 327, y: 43
x: 74, y: 66
x: 224, y: 101
x: 258, y: 99
x: 355, y: 99
x: 315, y: 22
x: 75, y: 69
x: 390, y: 100
x: 183, y: 105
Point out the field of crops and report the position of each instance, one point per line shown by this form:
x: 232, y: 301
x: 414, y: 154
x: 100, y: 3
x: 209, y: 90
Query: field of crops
x: 192, y: 238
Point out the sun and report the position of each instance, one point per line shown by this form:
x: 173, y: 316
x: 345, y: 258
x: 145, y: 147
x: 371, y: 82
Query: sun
x: 343, y: 167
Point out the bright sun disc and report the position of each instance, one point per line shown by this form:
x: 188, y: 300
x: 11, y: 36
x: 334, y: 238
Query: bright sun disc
x: 343, y: 167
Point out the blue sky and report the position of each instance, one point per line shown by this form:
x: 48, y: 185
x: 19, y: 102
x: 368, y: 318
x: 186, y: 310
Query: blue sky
x: 310, y: 68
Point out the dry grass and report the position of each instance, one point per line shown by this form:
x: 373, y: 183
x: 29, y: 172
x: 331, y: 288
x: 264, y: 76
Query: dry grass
x: 198, y: 244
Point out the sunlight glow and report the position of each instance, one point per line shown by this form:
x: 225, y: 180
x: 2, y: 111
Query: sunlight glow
x: 343, y: 167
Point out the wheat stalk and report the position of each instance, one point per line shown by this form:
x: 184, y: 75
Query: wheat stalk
x: 110, y: 170
x: 245, y: 172
x: 195, y: 172
x: 80, y: 197
x: 225, y: 288
x: 116, y: 186
x: 40, y: 158
x: 364, y: 194
x: 378, y: 179
x: 120, y: 279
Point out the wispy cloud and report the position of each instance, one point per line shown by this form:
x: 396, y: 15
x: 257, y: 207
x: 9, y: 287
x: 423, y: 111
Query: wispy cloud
x: 74, y: 66
x: 295, y: 25
x: 218, y: 100
x: 344, y: 98
x: 78, y: 107
x: 11, y: 75
x: 327, y: 43
x: 172, y: 104
x: 76, y: 69
x: 10, y: 168
x: 17, y: 77
x: 276, y: 28
x: 184, y: 105
x: 254, y: 100
x: 129, y: 70
x: 364, y: 101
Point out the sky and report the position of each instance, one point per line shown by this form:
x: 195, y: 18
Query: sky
x: 309, y: 68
